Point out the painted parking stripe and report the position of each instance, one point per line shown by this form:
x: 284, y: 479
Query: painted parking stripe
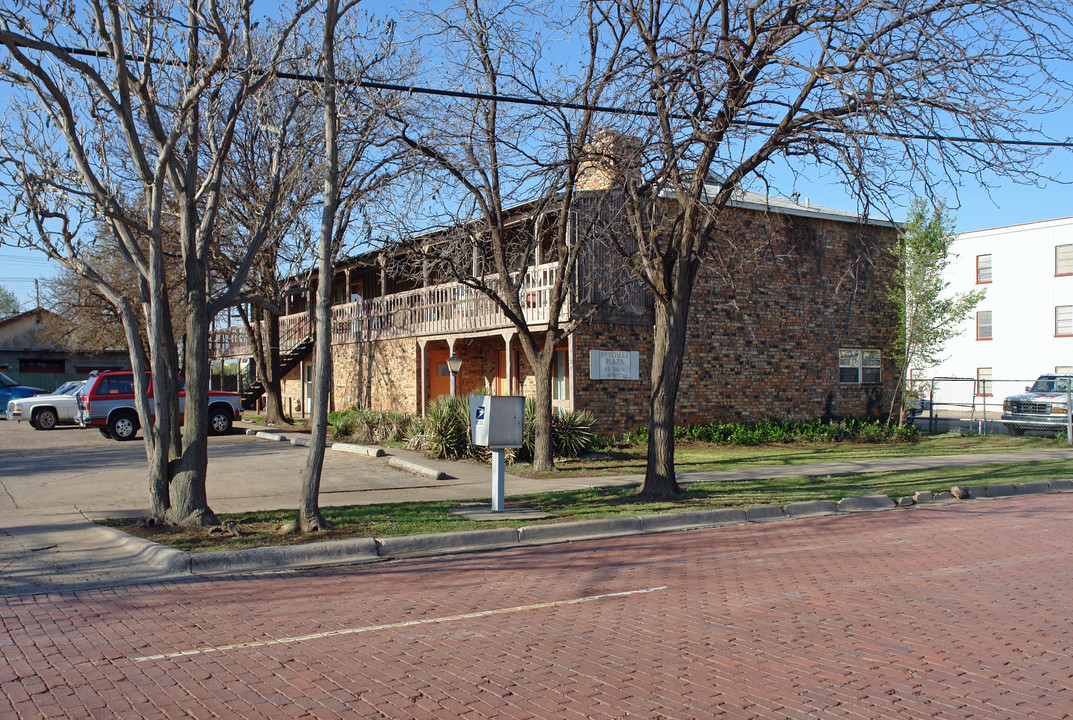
x: 390, y: 626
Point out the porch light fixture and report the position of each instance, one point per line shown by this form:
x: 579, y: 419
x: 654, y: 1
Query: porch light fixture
x: 454, y: 364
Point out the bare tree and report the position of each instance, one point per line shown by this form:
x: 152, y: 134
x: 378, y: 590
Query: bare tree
x: 286, y: 247
x: 83, y: 318
x: 875, y: 92
x: 143, y: 102
x: 357, y: 165
x: 506, y: 174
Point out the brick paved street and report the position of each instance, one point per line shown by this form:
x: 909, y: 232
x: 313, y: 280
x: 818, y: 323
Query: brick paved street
x: 963, y: 611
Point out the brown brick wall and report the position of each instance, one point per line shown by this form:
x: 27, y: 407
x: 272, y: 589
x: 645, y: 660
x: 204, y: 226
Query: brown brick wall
x: 381, y: 375
x: 763, y: 343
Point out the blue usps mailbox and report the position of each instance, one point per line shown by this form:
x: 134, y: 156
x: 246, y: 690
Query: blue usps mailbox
x: 496, y: 423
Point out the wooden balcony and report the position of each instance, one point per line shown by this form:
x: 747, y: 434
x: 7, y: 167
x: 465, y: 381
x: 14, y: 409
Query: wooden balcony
x: 235, y: 342
x: 446, y: 309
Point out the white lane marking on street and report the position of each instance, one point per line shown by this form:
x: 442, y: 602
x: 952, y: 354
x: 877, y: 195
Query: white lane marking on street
x: 391, y: 626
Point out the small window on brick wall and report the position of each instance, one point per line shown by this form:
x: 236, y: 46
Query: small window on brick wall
x: 983, y: 325
x: 983, y: 382
x: 1063, y: 320
x: 1063, y: 260
x: 859, y: 366
x: 983, y: 268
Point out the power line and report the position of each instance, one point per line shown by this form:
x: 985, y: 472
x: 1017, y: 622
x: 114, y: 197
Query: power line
x: 567, y: 105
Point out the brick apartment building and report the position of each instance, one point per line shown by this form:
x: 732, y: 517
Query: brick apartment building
x: 801, y: 330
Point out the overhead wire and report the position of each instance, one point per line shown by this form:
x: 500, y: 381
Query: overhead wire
x: 568, y: 105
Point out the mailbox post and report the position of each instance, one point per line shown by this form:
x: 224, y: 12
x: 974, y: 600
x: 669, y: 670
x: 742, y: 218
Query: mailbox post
x: 496, y: 423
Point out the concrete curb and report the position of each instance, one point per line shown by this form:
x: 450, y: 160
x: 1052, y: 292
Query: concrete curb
x: 446, y: 542
x: 814, y: 508
x: 271, y: 436
x: 416, y: 469
x: 764, y: 513
x: 166, y: 559
x: 865, y: 503
x: 358, y: 449
x: 580, y: 530
x: 332, y: 552
x: 692, y: 519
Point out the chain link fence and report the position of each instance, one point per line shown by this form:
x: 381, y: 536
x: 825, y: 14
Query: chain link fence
x: 968, y: 405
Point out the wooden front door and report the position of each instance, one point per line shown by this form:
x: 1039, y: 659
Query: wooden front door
x: 439, y: 377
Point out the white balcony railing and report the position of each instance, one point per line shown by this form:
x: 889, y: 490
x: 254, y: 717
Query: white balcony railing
x: 443, y: 309
x: 439, y: 310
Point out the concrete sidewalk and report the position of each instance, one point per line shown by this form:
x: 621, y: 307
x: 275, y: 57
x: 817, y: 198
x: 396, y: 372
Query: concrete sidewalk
x: 50, y: 544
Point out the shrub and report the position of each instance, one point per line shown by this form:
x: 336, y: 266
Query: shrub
x: 446, y: 428
x: 777, y: 431
x: 571, y: 433
x: 370, y: 426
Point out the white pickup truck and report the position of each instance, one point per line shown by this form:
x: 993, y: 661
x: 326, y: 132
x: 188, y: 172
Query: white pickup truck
x: 1043, y: 406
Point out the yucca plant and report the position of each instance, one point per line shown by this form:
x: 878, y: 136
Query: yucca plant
x: 447, y: 428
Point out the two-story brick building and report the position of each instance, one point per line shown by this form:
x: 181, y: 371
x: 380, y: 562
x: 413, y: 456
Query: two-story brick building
x: 800, y: 330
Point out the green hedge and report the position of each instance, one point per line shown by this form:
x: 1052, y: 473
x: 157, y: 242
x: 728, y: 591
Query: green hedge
x: 780, y: 431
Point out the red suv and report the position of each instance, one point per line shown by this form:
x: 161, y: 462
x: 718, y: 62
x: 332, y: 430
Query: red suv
x: 107, y: 402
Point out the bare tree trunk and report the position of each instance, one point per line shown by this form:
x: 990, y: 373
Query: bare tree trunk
x: 189, y: 503
x: 668, y: 352
x: 309, y: 515
x: 543, y: 455
x: 310, y: 518
x: 272, y: 380
x: 264, y: 332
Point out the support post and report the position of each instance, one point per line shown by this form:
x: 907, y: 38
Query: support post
x: 498, y: 472
x: 1069, y: 415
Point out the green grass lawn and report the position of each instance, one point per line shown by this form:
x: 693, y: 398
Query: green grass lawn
x: 629, y: 460
x: 413, y: 518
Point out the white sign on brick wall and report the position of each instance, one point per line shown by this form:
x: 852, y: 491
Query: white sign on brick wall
x: 613, y: 365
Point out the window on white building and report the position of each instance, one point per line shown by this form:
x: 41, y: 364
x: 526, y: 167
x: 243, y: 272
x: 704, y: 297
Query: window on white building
x: 983, y: 382
x: 1063, y: 260
x: 983, y: 325
x: 1063, y: 320
x: 983, y: 268
x: 859, y: 366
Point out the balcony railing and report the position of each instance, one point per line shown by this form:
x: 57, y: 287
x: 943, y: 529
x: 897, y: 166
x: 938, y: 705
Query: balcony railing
x: 443, y: 309
x: 235, y: 342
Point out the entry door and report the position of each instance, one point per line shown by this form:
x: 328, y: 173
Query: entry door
x: 307, y: 373
x: 439, y: 377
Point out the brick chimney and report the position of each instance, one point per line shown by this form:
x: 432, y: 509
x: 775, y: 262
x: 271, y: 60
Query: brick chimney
x: 610, y: 159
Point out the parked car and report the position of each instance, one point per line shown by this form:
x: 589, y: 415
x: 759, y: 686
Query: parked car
x: 45, y: 412
x: 106, y: 402
x: 11, y: 390
x: 1043, y: 406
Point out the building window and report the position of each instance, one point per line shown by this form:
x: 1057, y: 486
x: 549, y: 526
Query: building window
x: 983, y: 268
x: 983, y: 382
x: 983, y: 325
x: 560, y: 382
x: 859, y: 366
x: 1063, y: 321
x: 1063, y: 260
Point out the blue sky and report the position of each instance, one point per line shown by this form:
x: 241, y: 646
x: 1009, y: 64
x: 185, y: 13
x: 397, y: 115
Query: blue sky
x: 974, y: 206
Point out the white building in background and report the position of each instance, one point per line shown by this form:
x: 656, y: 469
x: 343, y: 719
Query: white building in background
x: 1024, y: 325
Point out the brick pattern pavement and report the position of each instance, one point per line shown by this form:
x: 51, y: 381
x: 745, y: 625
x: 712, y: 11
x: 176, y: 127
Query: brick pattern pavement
x: 961, y: 611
